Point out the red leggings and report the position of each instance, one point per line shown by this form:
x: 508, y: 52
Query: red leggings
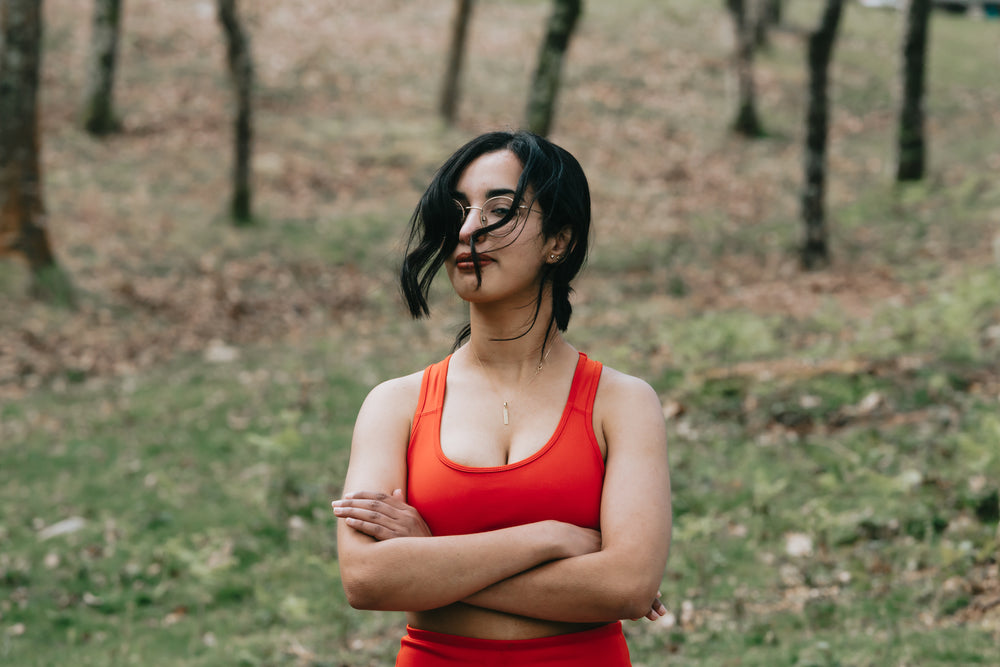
x: 601, y: 647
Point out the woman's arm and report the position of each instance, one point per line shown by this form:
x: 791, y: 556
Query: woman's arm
x: 385, y: 517
x: 418, y: 573
x: 620, y: 580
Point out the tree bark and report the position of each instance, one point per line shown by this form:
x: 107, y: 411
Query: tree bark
x: 910, y: 166
x: 767, y: 14
x: 98, y: 110
x: 761, y: 24
x: 240, y: 63
x: 22, y: 211
x: 545, y: 85
x: 815, y: 252
x: 747, y: 121
x: 456, y: 55
x: 773, y: 10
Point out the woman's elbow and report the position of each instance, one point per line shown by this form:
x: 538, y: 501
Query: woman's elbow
x: 633, y: 609
x: 359, y: 595
x: 376, y: 593
x: 361, y: 586
x: 374, y: 598
x: 636, y: 599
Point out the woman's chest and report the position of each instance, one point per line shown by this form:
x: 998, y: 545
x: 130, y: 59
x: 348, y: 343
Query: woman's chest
x: 484, y: 432
x: 562, y: 481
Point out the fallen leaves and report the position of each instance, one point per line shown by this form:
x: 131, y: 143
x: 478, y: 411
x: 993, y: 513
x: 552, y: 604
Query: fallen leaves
x: 798, y: 545
x: 983, y: 585
x: 177, y: 615
x: 672, y: 409
x: 64, y: 527
x: 212, y: 309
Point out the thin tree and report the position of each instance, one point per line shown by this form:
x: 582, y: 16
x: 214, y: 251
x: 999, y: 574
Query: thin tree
x: 456, y: 56
x: 774, y: 11
x: 815, y: 253
x: 747, y: 122
x: 767, y: 14
x: 22, y: 211
x: 911, y: 157
x: 98, y: 108
x: 240, y: 63
x: 545, y: 84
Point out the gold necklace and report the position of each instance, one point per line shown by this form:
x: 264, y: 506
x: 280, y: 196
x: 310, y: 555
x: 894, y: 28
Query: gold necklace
x: 538, y: 369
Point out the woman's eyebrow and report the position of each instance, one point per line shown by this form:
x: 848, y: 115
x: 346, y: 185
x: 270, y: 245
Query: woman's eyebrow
x: 494, y: 192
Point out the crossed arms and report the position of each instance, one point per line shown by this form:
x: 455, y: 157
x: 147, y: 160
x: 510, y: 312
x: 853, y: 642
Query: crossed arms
x: 546, y: 570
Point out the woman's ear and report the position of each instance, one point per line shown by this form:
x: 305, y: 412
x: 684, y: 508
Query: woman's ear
x: 560, y: 245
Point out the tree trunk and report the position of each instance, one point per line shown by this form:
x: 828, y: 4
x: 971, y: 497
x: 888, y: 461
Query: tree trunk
x: 815, y: 253
x: 22, y: 211
x: 545, y: 85
x: 773, y: 11
x: 767, y: 14
x: 747, y: 122
x: 910, y: 165
x: 98, y: 110
x: 456, y: 54
x: 241, y: 69
x: 761, y: 24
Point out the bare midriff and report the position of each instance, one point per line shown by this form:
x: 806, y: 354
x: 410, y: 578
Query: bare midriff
x: 469, y: 621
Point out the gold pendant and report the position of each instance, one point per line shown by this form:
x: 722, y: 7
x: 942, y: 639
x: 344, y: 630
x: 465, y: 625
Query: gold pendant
x: 506, y: 416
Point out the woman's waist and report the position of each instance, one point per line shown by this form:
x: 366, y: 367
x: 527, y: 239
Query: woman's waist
x: 469, y: 621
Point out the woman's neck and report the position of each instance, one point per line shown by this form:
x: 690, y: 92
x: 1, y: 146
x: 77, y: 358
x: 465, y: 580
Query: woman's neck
x: 512, y: 343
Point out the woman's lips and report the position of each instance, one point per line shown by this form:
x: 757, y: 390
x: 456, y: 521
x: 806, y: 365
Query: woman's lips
x: 463, y: 262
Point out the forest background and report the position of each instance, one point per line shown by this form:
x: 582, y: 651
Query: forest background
x: 170, y: 444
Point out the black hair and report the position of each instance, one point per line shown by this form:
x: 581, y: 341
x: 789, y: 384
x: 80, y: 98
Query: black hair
x: 560, y: 190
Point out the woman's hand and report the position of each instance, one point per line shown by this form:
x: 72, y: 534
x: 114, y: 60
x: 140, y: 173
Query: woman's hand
x: 656, y: 610
x: 380, y: 515
x: 573, y: 540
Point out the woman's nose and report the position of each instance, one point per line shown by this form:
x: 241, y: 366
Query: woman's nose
x: 470, y: 224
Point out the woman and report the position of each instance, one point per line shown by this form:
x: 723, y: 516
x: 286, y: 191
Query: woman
x: 514, y: 498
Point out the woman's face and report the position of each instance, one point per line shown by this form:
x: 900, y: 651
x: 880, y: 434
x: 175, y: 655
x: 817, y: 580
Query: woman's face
x: 510, y: 264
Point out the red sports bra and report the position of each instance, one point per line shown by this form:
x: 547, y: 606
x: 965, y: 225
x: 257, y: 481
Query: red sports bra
x: 563, y: 480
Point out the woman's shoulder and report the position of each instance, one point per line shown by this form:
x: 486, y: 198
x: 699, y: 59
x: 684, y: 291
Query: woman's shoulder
x: 616, y: 382
x: 398, y: 395
x: 620, y: 393
x: 398, y: 392
x: 628, y: 411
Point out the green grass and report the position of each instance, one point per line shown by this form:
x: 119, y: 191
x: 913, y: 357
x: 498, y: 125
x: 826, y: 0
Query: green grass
x: 205, y: 515
x: 889, y: 510
x: 207, y: 538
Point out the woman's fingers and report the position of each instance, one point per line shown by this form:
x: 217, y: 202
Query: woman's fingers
x: 368, y: 514
x: 375, y: 530
x: 380, y: 515
x: 371, y: 523
x: 376, y: 502
x: 657, y: 609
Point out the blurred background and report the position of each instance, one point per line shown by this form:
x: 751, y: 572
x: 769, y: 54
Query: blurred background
x: 179, y: 380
